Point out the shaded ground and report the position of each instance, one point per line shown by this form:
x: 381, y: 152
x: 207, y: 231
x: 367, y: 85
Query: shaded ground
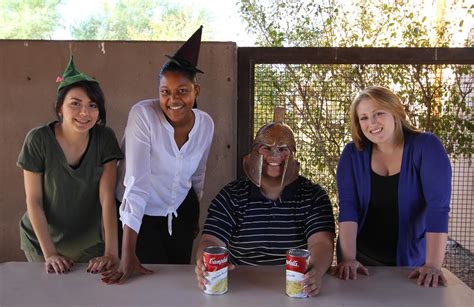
x: 460, y: 262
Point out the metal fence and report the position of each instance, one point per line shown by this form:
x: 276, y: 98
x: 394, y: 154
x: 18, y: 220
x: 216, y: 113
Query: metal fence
x: 316, y: 87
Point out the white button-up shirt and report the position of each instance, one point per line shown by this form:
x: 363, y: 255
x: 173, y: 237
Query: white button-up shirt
x: 156, y: 175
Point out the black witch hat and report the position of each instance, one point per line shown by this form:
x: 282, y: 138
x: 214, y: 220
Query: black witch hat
x: 188, y: 54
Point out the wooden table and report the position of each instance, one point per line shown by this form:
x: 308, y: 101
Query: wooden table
x: 27, y: 284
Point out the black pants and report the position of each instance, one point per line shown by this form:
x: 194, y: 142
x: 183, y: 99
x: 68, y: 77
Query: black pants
x: 361, y: 257
x: 154, y: 243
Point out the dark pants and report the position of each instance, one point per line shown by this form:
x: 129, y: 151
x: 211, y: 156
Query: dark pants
x: 154, y: 243
x: 361, y: 257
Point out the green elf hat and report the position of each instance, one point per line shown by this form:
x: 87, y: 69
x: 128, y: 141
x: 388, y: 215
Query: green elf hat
x: 71, y: 75
x: 188, y: 54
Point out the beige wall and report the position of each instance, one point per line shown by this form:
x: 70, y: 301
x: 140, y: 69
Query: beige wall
x: 128, y: 73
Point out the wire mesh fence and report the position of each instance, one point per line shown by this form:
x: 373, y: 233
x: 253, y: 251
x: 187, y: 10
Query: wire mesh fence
x: 438, y: 98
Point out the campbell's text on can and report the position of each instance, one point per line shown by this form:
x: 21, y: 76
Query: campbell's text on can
x: 297, y: 264
x: 215, y: 260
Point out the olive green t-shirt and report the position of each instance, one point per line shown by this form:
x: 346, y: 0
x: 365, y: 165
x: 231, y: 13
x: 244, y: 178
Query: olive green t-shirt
x: 70, y: 194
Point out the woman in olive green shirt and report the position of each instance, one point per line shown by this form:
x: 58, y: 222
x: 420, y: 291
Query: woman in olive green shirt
x: 69, y: 171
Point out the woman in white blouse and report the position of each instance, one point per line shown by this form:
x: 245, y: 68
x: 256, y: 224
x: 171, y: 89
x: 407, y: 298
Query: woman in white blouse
x: 167, y: 143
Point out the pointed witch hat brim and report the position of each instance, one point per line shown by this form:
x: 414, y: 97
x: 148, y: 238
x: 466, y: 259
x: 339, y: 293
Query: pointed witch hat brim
x: 188, y: 54
x: 71, y: 75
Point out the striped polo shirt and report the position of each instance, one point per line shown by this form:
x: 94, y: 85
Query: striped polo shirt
x: 258, y: 230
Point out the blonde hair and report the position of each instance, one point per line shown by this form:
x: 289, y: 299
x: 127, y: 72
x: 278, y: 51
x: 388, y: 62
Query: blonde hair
x: 387, y: 100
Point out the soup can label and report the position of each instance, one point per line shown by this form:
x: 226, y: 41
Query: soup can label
x: 297, y: 264
x: 215, y: 260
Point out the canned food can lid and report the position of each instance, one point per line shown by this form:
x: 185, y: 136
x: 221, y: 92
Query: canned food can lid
x: 215, y: 250
x: 298, y: 252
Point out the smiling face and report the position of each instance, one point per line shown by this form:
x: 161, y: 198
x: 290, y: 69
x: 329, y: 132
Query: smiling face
x: 377, y: 124
x: 271, y: 160
x: 177, y: 96
x: 78, y: 112
x: 275, y: 156
x: 275, y: 142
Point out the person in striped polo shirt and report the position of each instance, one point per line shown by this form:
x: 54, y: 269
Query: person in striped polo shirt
x: 271, y: 210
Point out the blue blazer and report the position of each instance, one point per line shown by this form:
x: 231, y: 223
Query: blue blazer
x: 424, y: 192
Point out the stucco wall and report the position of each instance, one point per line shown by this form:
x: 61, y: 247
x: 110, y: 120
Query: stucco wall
x: 127, y: 72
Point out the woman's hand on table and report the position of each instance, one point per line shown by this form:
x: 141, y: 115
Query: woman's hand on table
x: 429, y: 276
x: 58, y: 264
x: 100, y: 264
x: 348, y: 269
x: 128, y: 265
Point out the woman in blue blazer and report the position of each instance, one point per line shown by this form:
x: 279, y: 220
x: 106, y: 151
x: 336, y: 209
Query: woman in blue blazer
x: 394, y: 187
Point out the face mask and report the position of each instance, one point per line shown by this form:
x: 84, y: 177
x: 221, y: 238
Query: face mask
x: 272, y: 139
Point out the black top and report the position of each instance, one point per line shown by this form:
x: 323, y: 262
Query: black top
x: 377, y: 240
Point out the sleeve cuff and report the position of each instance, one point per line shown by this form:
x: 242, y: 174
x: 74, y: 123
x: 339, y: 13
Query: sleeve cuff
x: 216, y: 234
x: 437, y: 222
x: 320, y: 229
x: 200, y: 194
x: 347, y: 217
x: 29, y: 168
x: 131, y: 221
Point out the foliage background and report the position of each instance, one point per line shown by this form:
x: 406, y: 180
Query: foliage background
x: 438, y: 98
x: 109, y: 20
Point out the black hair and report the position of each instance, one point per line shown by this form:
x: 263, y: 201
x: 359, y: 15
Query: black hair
x: 93, y: 91
x: 172, y: 66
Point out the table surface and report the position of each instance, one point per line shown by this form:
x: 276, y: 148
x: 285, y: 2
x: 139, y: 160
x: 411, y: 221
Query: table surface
x: 27, y: 284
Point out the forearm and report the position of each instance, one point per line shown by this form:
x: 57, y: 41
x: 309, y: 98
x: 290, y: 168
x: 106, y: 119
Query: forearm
x: 109, y: 212
x: 34, y: 205
x: 129, y: 241
x: 198, y: 186
x: 198, y: 178
x: 109, y: 219
x: 435, y: 248
x: 348, y: 239
x: 40, y: 227
x: 321, y: 256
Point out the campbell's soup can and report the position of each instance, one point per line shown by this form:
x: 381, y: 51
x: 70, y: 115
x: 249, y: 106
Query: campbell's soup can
x: 215, y: 260
x: 297, y: 264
